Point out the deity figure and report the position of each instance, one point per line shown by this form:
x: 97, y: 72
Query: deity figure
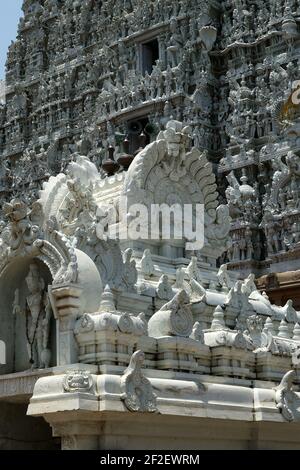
x: 164, y: 290
x: 147, y: 265
x: 130, y: 275
x: 249, y: 244
x: 180, y: 275
x: 175, y: 44
x: 38, y: 314
x: 178, y: 141
x: 193, y: 270
x: 272, y: 230
x: 224, y: 278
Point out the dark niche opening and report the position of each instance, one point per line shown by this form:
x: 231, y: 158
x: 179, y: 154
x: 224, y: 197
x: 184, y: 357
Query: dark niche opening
x: 150, y: 54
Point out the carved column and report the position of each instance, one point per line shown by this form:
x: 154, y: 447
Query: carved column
x: 66, y: 307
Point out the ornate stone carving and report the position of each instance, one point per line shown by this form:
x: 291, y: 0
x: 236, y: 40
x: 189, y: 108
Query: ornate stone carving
x: 138, y: 394
x: 23, y: 237
x: 71, y: 201
x: 125, y: 323
x: 147, y: 265
x: 84, y: 325
x: 285, y: 397
x: 154, y: 177
x: 255, y: 335
x: 79, y: 381
x: 173, y: 319
x: 130, y: 275
x: 224, y: 278
x: 197, y: 333
x: 164, y: 102
x: 164, y: 290
x: 21, y: 233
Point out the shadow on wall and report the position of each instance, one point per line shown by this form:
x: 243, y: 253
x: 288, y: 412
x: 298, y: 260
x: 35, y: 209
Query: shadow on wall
x: 27, y: 433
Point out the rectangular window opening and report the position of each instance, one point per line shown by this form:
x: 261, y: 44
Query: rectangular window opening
x: 150, y: 54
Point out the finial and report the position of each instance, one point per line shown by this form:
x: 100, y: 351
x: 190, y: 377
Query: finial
x: 269, y: 327
x: 108, y: 301
x: 218, y: 322
x: 283, y: 330
x: 296, y: 332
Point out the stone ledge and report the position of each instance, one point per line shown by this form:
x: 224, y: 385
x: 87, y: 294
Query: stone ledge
x: 173, y: 397
x: 116, y: 431
x: 20, y: 386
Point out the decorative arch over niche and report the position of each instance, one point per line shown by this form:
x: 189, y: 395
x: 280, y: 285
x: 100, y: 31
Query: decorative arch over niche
x: 167, y: 171
x: 25, y: 235
x: 31, y: 249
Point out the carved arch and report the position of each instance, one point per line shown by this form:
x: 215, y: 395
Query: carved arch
x: 195, y: 174
x: 165, y: 169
